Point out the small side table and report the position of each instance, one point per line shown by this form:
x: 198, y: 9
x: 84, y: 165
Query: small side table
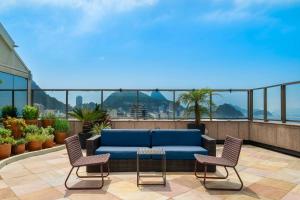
x: 150, y: 152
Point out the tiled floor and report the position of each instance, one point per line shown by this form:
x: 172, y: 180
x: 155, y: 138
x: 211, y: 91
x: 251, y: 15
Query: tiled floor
x: 266, y: 175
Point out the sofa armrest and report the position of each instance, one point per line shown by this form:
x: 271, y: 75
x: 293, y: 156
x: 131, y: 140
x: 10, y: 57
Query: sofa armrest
x: 209, y: 144
x: 92, y: 144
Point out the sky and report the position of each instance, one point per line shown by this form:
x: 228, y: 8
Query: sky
x: 156, y: 43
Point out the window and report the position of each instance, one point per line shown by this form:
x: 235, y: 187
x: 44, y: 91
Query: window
x: 20, y: 99
x: 20, y: 83
x: 7, y: 81
x: 5, y: 99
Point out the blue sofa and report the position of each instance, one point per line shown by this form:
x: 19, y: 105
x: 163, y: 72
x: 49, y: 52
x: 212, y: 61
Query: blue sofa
x: 180, y: 146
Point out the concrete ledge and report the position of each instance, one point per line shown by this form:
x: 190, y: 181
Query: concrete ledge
x: 15, y: 158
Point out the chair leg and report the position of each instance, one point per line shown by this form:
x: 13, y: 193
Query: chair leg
x: 215, y: 188
x: 95, y: 176
x: 87, y: 188
x: 210, y: 177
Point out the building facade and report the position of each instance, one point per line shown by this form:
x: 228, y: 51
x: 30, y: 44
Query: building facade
x: 15, y: 85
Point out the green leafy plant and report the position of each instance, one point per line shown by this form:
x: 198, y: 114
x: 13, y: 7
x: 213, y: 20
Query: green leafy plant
x: 35, y: 137
x: 48, y: 115
x: 5, y: 136
x: 20, y: 141
x: 5, y: 133
x: 47, y: 131
x: 97, y: 128
x: 197, y: 102
x: 9, y: 111
x: 32, y: 129
x: 9, y: 122
x: 30, y: 112
x: 7, y: 140
x: 61, y: 125
x: 89, y: 116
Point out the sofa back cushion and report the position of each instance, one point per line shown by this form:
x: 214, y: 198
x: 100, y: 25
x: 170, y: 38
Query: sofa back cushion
x: 176, y: 137
x: 126, y: 137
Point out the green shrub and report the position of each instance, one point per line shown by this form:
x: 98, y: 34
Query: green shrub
x: 7, y: 140
x: 35, y: 137
x: 20, y: 141
x: 32, y: 129
x: 47, y: 131
x: 48, y: 115
x: 5, y: 133
x: 30, y: 112
x: 9, y: 111
x: 61, y: 125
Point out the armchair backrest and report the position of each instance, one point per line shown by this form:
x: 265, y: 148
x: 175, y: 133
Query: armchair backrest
x: 73, y: 148
x: 232, y: 149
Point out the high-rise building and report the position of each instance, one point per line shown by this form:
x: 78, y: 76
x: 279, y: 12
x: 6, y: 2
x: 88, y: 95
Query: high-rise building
x: 79, y: 100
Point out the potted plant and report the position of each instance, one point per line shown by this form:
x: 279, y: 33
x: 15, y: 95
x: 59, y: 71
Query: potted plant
x: 19, y: 146
x: 9, y: 111
x: 15, y: 125
x: 97, y: 128
x: 49, y: 137
x: 5, y: 143
x: 35, y: 141
x: 61, y: 127
x: 48, y: 119
x: 197, y: 102
x: 30, y: 114
x: 88, y: 117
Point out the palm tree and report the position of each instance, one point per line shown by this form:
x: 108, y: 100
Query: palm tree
x: 197, y: 101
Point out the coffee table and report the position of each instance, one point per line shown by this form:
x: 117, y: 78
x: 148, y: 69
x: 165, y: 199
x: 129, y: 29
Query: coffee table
x: 151, y: 152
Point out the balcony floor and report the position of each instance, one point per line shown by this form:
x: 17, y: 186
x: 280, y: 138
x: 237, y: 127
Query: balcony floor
x: 266, y: 175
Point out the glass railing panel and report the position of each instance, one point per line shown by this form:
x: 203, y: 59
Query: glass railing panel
x: 84, y: 99
x: 274, y: 103
x: 182, y: 111
x: 20, y: 100
x: 258, y: 104
x: 155, y: 105
x: 5, y: 99
x: 230, y: 105
x: 120, y: 104
x: 50, y: 101
x: 293, y: 102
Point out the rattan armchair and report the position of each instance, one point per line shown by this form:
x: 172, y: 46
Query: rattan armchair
x: 77, y: 160
x: 229, y: 158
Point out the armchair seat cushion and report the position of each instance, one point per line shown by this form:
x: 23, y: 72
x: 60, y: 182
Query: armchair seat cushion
x: 117, y: 153
x: 181, y: 152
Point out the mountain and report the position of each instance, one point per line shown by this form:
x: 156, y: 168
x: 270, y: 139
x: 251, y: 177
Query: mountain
x: 228, y: 111
x: 158, y: 96
x: 125, y: 100
x: 261, y: 113
x: 46, y: 101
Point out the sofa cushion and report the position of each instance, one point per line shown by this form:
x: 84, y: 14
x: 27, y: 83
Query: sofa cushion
x: 126, y: 137
x: 181, y: 152
x: 176, y: 137
x: 119, y: 152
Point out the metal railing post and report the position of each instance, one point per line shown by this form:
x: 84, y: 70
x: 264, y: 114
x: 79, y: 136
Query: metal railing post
x: 174, y: 106
x: 250, y: 105
x: 283, y: 103
x: 265, y: 104
x: 67, y: 104
x: 210, y: 106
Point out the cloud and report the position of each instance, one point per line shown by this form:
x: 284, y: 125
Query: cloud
x: 226, y: 11
x: 92, y: 11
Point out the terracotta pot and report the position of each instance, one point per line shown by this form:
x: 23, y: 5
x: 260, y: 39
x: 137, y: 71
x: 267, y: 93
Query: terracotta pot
x: 47, y: 122
x: 60, y: 137
x: 32, y: 122
x: 16, y: 131
x: 48, y: 144
x: 18, y: 149
x: 34, y: 145
x: 5, y: 150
